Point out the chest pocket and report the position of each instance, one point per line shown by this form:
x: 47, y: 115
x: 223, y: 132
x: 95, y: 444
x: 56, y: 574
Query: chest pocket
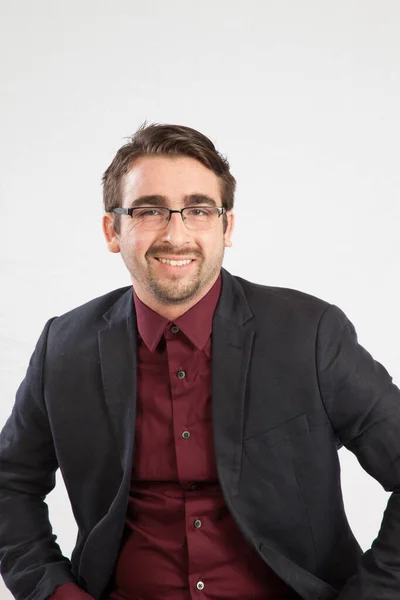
x: 284, y: 432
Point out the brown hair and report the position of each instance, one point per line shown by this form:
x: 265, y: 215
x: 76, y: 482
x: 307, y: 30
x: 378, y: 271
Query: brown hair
x: 166, y: 140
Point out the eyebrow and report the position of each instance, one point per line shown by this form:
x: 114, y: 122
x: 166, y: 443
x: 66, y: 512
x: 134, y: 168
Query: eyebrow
x: 158, y: 200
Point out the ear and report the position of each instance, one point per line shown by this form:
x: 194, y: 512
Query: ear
x: 112, y: 239
x: 229, y: 230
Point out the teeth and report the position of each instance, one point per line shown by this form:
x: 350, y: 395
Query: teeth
x: 175, y: 263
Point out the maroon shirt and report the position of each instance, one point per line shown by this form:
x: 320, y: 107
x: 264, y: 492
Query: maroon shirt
x: 181, y: 541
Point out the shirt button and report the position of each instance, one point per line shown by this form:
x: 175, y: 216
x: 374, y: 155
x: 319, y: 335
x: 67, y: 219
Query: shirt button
x: 181, y: 374
x: 193, y: 486
x: 200, y: 585
x: 197, y: 523
x: 174, y: 329
x: 186, y: 435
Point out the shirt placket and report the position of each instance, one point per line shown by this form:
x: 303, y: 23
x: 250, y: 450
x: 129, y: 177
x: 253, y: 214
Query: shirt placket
x: 178, y: 350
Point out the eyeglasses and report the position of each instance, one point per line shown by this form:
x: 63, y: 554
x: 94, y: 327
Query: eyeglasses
x: 153, y: 218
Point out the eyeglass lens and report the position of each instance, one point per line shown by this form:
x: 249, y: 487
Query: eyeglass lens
x: 194, y: 217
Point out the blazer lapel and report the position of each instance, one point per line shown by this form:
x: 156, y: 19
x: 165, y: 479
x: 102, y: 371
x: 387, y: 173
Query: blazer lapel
x: 117, y: 348
x: 231, y: 353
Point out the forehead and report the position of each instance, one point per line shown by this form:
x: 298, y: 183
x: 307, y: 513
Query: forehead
x: 172, y: 177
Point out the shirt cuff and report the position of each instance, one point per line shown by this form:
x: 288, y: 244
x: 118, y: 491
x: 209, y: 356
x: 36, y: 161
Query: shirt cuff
x: 70, y: 591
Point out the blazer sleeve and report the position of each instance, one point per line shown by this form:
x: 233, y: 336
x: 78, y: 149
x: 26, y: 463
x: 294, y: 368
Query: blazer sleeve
x: 363, y: 405
x: 32, y: 564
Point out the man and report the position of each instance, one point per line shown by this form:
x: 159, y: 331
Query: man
x: 195, y: 416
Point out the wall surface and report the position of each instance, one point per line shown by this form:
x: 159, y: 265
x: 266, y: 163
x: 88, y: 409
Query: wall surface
x: 303, y: 98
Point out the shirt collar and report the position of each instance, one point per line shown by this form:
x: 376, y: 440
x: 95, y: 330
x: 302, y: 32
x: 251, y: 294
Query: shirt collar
x: 196, y: 323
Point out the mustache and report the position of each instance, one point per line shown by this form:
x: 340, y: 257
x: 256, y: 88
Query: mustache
x: 187, y: 252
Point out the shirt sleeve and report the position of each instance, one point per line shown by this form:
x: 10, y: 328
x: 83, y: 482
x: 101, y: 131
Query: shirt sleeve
x: 70, y: 591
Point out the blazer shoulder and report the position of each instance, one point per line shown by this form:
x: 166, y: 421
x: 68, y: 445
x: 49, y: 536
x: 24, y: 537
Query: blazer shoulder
x: 281, y: 299
x: 87, y: 317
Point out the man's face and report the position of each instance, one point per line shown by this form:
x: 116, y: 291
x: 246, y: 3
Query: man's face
x: 175, y: 179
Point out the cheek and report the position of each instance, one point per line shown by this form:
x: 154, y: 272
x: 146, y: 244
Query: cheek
x: 135, y: 245
x: 214, y: 244
x: 210, y: 241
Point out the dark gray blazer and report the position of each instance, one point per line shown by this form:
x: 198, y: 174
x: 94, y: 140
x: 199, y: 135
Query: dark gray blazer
x: 290, y: 385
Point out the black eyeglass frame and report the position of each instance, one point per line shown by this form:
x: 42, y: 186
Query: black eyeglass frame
x: 129, y: 211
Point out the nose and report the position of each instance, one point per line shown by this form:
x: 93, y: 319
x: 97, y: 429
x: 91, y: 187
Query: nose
x: 176, y: 232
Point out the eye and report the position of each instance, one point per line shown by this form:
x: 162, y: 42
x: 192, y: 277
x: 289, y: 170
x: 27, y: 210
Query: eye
x: 199, y: 212
x: 147, y: 212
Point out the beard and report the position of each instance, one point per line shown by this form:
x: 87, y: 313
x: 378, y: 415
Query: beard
x: 168, y: 288
x: 174, y: 289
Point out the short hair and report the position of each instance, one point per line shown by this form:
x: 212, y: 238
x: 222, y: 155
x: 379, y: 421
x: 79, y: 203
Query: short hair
x: 166, y: 140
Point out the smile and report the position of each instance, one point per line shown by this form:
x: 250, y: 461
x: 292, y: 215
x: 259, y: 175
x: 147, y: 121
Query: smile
x: 175, y: 263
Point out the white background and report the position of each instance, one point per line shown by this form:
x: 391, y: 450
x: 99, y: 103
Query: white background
x: 303, y: 98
